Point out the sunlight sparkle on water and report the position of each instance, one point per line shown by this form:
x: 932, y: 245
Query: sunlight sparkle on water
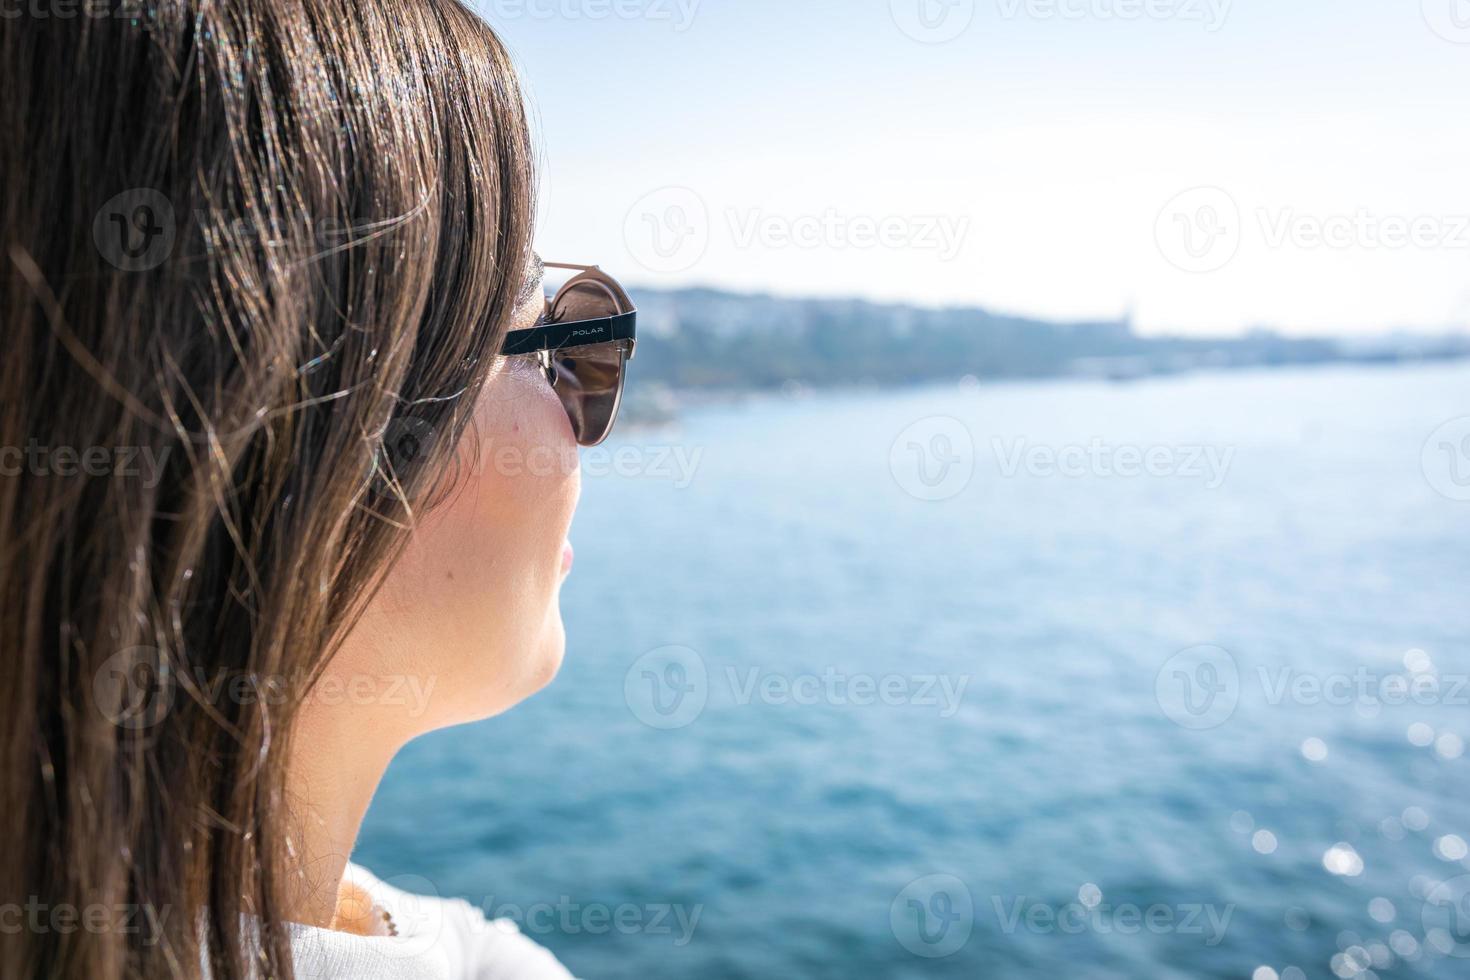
x: 1342, y: 859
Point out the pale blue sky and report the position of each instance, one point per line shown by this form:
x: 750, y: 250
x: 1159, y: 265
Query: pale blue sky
x: 1033, y: 163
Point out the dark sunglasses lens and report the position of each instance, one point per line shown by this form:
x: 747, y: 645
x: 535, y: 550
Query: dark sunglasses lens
x: 590, y: 379
x: 590, y: 385
x: 585, y: 299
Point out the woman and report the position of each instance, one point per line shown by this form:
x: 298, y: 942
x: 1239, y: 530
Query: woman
x: 278, y: 445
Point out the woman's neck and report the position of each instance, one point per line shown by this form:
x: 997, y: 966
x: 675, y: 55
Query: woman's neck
x: 338, y: 760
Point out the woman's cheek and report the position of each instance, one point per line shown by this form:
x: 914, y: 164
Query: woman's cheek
x: 491, y: 554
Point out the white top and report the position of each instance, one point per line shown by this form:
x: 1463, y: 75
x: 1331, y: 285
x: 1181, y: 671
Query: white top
x: 438, y: 939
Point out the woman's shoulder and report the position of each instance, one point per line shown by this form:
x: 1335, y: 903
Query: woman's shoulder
x: 436, y: 939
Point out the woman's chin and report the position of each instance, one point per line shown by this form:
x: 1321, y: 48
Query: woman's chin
x: 539, y: 664
x: 553, y: 651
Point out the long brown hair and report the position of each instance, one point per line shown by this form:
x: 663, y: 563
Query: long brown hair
x: 240, y: 241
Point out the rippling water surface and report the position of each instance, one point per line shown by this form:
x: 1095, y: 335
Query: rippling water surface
x: 1061, y: 722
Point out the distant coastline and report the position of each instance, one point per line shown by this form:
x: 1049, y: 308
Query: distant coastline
x: 701, y: 344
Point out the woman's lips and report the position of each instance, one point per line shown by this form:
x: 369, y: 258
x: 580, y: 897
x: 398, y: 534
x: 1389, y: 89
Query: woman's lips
x: 566, y: 558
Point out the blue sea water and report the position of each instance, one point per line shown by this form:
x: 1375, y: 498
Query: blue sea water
x: 1136, y: 778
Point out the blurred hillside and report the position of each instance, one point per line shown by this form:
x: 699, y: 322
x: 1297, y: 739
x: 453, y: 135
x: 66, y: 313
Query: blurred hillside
x: 706, y: 339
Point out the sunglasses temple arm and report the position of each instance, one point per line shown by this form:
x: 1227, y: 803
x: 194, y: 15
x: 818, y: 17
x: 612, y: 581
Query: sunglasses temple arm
x: 575, y: 333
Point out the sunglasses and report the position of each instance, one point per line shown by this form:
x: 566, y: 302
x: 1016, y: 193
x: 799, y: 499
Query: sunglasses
x: 583, y: 341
